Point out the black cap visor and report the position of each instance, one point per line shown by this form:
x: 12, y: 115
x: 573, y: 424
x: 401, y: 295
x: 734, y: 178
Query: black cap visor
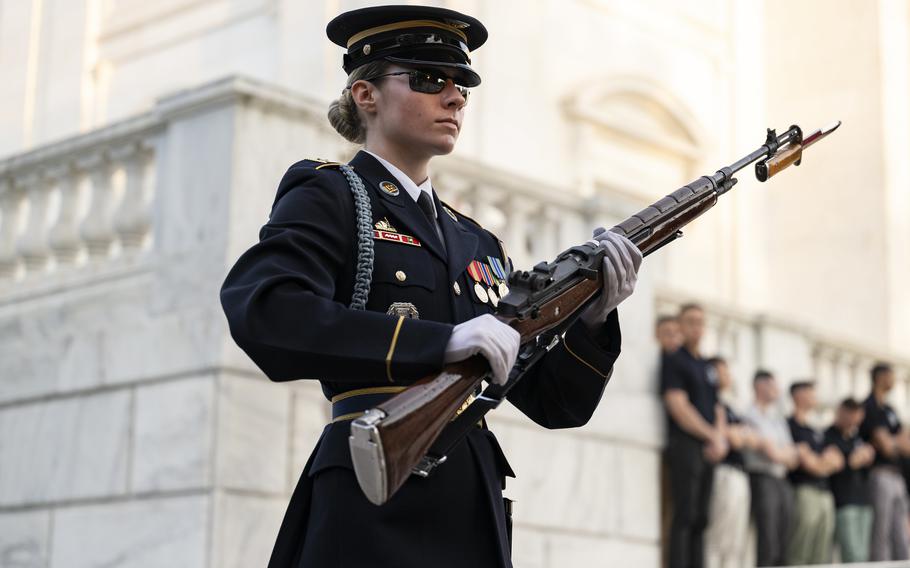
x: 462, y: 72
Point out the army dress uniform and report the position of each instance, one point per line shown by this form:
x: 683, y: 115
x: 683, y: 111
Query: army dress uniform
x: 286, y: 301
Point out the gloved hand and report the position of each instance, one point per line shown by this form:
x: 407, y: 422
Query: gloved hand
x: 491, y: 338
x: 620, y: 272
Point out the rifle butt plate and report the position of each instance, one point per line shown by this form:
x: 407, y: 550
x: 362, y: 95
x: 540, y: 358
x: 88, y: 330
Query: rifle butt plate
x: 368, y: 456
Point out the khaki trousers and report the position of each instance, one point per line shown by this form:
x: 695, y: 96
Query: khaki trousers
x: 728, y: 521
x: 812, y: 539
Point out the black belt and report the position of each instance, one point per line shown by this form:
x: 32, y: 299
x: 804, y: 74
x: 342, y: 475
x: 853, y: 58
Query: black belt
x: 351, y: 404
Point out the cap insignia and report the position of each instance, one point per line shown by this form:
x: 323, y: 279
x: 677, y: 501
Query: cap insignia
x: 458, y: 24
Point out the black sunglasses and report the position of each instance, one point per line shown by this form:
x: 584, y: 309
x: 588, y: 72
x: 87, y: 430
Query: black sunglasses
x: 425, y: 81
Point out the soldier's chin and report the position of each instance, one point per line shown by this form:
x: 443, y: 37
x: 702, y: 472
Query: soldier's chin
x: 445, y: 145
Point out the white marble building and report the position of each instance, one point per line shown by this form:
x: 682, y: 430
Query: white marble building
x: 140, y: 146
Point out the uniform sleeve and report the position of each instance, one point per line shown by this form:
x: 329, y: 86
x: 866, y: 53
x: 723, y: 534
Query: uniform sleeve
x: 564, y: 389
x: 279, y: 298
x: 873, y: 419
x: 671, y: 376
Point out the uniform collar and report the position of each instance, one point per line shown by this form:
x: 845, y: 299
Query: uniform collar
x: 461, y: 243
x: 407, y: 183
x: 405, y: 209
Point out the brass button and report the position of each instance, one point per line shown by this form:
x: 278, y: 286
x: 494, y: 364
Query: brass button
x: 401, y: 276
x: 457, y: 288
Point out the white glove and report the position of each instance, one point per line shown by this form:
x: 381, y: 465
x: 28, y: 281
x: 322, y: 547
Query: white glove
x: 620, y: 272
x: 491, y: 338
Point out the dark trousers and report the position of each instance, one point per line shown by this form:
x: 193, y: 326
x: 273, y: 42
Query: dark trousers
x: 691, y: 477
x: 772, y: 507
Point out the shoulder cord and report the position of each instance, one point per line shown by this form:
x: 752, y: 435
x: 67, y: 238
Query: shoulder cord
x: 363, y: 217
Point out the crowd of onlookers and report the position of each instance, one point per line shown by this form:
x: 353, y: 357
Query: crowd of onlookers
x: 808, y: 491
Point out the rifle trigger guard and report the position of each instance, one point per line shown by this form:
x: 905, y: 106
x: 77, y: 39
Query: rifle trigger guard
x: 427, y: 464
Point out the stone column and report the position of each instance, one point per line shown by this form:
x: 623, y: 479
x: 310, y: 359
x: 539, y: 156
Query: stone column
x: 32, y: 243
x: 96, y: 229
x: 63, y: 237
x: 10, y: 204
x: 132, y: 219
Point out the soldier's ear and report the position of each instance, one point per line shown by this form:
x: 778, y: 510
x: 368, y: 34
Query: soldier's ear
x: 364, y: 95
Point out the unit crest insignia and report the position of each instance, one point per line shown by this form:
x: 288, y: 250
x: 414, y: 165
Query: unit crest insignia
x: 384, y: 225
x: 389, y: 188
x: 449, y: 211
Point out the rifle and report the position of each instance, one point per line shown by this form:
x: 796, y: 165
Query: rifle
x: 412, y: 432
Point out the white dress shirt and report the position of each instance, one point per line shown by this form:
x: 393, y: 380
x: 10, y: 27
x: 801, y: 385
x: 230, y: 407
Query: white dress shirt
x: 407, y: 183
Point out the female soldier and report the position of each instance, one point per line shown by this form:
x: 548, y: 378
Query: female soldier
x: 297, y: 303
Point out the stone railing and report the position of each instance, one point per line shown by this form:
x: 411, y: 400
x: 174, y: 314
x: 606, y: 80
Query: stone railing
x: 535, y: 220
x: 77, y: 205
x: 841, y: 369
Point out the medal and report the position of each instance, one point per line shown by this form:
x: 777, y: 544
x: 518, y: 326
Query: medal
x: 487, y: 273
x: 475, y: 271
x: 500, y: 272
x: 481, y: 293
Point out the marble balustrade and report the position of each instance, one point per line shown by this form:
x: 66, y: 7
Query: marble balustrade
x: 85, y: 202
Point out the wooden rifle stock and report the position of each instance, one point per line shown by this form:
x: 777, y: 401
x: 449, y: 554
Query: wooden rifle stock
x: 417, y: 415
x: 391, y: 439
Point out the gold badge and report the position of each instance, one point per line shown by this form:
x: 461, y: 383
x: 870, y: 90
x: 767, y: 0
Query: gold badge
x: 449, y: 211
x: 403, y: 309
x: 389, y: 188
x: 384, y: 225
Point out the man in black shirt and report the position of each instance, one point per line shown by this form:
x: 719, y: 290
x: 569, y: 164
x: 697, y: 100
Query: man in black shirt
x: 813, y: 516
x: 853, y: 519
x: 883, y: 430
x: 667, y: 333
x: 690, y: 395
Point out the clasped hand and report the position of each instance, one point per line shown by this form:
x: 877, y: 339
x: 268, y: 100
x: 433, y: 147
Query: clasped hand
x: 620, y: 273
x: 499, y: 343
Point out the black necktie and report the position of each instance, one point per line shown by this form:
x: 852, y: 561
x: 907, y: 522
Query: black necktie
x: 426, y: 205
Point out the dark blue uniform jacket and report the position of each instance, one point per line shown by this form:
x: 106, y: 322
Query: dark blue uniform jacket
x: 286, y: 301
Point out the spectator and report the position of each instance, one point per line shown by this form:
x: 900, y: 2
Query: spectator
x: 667, y: 333
x: 690, y: 395
x: 728, y: 514
x: 887, y: 490
x: 850, y: 486
x: 813, y: 517
x: 772, y: 496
